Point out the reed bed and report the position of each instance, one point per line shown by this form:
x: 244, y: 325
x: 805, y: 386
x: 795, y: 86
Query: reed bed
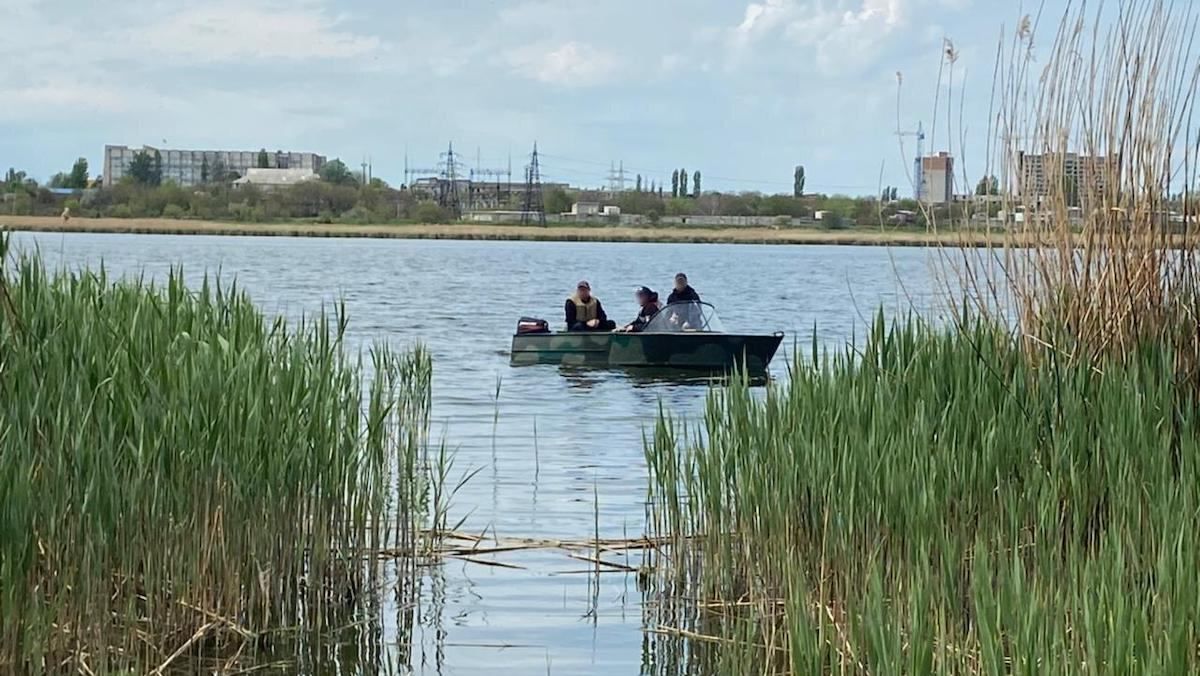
x: 185, y: 479
x: 1017, y: 492
x: 936, y: 503
x: 1094, y: 146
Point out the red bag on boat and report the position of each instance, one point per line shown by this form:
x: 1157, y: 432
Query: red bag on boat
x: 532, y: 325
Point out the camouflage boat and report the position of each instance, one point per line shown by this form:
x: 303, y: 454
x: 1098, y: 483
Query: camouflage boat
x: 681, y: 336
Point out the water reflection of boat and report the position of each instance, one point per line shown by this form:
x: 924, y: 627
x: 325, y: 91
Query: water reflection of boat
x: 686, y: 336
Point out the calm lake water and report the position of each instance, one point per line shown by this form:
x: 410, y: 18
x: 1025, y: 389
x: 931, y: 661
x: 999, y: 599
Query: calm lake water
x: 555, y: 446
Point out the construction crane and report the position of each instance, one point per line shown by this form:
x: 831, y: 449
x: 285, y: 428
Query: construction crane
x: 918, y: 165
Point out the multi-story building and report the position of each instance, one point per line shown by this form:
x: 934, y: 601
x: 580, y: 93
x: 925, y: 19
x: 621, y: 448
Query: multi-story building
x: 1083, y: 173
x: 936, y: 178
x: 188, y: 167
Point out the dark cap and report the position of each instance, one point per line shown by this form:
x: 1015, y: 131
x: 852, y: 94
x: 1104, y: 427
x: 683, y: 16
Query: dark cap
x: 680, y: 276
x: 583, y: 285
x: 644, y: 291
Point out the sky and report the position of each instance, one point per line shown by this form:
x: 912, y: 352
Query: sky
x: 741, y: 91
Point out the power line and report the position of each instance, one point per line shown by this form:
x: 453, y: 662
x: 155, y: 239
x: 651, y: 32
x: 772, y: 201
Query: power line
x: 711, y: 177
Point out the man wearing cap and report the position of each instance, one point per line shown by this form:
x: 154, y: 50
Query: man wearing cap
x: 584, y: 312
x: 683, y: 292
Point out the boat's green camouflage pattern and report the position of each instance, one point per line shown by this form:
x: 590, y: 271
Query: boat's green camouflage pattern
x: 696, y: 351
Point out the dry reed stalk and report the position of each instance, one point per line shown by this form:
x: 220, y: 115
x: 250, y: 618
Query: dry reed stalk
x: 1104, y: 256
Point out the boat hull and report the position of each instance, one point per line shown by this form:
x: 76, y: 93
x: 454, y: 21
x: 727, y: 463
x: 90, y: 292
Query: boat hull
x: 714, y: 352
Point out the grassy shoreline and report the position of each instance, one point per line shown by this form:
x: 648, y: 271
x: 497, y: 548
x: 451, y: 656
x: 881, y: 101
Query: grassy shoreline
x: 859, y: 236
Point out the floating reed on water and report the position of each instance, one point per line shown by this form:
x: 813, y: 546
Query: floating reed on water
x: 183, y: 477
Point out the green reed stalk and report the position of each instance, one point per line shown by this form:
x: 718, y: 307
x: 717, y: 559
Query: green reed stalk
x: 175, y: 462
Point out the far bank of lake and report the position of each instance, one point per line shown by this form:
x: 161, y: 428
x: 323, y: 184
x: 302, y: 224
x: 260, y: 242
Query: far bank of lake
x: 860, y: 236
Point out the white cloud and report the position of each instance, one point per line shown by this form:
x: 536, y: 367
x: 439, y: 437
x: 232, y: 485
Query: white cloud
x: 66, y: 96
x: 761, y: 18
x: 262, y: 29
x: 843, y: 35
x: 569, y: 64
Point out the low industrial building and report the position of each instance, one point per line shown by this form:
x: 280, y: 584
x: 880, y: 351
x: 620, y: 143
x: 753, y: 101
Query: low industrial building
x: 195, y: 167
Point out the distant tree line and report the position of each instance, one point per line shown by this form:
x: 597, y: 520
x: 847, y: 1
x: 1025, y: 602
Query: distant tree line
x: 340, y: 196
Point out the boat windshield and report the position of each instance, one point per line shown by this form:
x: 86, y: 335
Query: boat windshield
x: 689, y: 316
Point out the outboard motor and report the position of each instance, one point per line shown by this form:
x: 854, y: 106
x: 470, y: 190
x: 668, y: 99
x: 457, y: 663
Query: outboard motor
x: 528, y: 325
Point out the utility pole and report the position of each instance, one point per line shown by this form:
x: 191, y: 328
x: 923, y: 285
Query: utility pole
x: 616, y: 177
x: 448, y: 190
x: 533, y: 209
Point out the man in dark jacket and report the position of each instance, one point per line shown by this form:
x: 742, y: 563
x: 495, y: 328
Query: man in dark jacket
x: 683, y: 292
x: 649, y: 306
x: 584, y: 311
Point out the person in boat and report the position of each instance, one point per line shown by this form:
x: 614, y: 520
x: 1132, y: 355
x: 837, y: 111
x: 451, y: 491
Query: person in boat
x: 649, y: 306
x: 686, y: 315
x: 683, y: 292
x: 584, y: 311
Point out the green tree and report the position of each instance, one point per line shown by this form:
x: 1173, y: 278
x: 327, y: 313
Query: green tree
x: 59, y: 180
x: 557, y: 201
x: 79, y: 174
x: 988, y: 185
x: 336, y: 172
x: 430, y: 212
x: 696, y: 184
x: 204, y: 170
x: 683, y: 183
x: 157, y: 176
x: 144, y: 170
x: 264, y: 160
x: 14, y: 180
x: 833, y: 219
x: 638, y: 185
x: 887, y: 193
x: 798, y: 182
x: 219, y: 173
x: 895, y: 193
x: 675, y: 183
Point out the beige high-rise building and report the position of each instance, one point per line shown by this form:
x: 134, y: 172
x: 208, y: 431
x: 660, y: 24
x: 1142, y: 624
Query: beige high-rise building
x: 937, y: 178
x: 1035, y: 173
